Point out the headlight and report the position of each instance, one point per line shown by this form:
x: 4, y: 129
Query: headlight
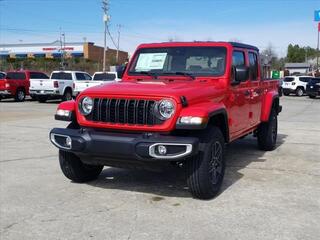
x: 86, y: 105
x: 165, y: 109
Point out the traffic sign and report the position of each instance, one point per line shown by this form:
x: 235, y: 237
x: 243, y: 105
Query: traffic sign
x: 317, y: 15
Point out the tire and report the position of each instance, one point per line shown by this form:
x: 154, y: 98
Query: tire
x: 286, y: 93
x: 67, y: 96
x: 268, y: 132
x: 205, y: 171
x: 312, y: 96
x: 42, y: 99
x: 20, y: 95
x: 75, y: 170
x: 33, y: 97
x: 299, y: 92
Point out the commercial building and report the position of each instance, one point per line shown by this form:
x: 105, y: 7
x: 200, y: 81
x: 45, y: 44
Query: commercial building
x: 297, y: 68
x: 56, y: 49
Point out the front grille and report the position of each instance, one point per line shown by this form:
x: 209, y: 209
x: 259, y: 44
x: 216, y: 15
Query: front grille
x: 124, y: 111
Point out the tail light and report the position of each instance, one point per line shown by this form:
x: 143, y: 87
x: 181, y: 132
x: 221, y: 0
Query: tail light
x: 7, y: 85
x: 55, y: 84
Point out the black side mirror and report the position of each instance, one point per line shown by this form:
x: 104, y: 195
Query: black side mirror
x: 120, y: 70
x: 240, y: 74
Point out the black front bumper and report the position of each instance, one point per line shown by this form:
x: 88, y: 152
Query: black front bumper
x: 99, y: 145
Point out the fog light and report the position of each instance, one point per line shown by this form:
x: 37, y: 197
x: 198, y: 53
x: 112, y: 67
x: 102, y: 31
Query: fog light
x: 68, y: 142
x: 162, y: 150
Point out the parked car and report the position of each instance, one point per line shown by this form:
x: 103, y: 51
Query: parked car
x: 2, y: 75
x: 98, y: 78
x: 59, y: 86
x: 313, y: 88
x: 16, y: 84
x: 177, y: 103
x: 295, y: 84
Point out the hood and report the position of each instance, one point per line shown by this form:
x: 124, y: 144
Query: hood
x: 192, y: 90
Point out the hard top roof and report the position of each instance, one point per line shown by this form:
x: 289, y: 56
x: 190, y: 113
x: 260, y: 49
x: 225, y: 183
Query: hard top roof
x: 199, y: 43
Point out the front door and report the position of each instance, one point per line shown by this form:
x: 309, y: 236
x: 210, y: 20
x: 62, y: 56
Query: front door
x: 239, y: 99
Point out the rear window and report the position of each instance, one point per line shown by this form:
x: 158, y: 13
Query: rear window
x: 16, y: 76
x: 288, y: 79
x: 61, y: 75
x: 104, y: 77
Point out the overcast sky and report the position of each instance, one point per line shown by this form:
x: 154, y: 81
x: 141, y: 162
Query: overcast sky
x: 257, y: 22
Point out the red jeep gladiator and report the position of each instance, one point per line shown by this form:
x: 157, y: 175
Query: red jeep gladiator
x: 16, y: 84
x: 178, y: 103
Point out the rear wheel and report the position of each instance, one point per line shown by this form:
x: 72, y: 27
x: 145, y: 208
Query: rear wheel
x: 205, y: 171
x: 75, y: 170
x: 42, y: 99
x: 268, y: 132
x: 67, y: 96
x: 299, y: 92
x: 20, y: 95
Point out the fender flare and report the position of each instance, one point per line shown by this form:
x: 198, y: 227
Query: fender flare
x: 267, y: 104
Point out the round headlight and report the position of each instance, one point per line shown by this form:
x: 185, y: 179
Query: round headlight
x: 86, y: 105
x: 165, y: 109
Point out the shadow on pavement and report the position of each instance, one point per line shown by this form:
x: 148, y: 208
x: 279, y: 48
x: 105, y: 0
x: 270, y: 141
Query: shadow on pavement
x: 172, y: 182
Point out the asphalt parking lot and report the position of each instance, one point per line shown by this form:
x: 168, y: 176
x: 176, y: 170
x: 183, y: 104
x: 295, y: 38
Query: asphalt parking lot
x: 265, y: 195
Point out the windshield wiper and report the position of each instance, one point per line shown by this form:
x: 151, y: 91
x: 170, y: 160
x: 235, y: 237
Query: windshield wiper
x: 182, y: 74
x: 151, y: 74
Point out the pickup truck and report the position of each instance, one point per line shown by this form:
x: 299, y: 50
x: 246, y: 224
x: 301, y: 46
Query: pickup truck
x: 179, y: 103
x: 16, y: 84
x: 98, y: 78
x: 59, y: 85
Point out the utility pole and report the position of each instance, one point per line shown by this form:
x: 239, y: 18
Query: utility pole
x: 118, y: 44
x: 106, y: 18
x: 61, y: 50
x: 318, y: 47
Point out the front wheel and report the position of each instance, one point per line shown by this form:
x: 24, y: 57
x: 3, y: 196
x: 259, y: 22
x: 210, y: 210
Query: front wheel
x: 205, y: 171
x: 42, y: 99
x: 268, y: 132
x: 20, y: 95
x: 75, y: 170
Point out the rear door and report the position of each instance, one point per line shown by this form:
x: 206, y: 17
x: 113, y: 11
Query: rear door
x: 240, y: 98
x: 82, y: 82
x: 64, y: 79
x: 256, y: 89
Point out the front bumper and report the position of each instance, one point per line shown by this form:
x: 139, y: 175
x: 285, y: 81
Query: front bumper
x: 97, y: 145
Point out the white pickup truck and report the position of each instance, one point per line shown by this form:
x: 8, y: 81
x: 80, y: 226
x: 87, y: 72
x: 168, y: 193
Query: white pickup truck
x: 60, y: 85
x: 98, y: 78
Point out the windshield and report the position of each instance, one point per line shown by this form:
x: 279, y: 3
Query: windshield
x: 61, y: 75
x: 195, y: 61
x: 315, y: 80
x: 104, y: 77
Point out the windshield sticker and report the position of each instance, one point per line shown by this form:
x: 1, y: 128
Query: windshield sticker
x: 149, y: 61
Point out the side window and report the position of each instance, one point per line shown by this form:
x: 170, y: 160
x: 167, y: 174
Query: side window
x: 253, y: 62
x: 238, y: 59
x: 304, y: 79
x: 87, y: 76
x: 80, y: 76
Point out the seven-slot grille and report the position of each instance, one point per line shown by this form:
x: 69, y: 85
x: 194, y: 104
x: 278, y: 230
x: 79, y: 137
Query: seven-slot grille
x: 124, y: 111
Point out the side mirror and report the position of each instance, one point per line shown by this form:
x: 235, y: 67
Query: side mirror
x: 120, y: 70
x: 240, y: 74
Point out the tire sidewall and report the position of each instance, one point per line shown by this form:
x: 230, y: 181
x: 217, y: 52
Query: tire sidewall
x: 20, y: 95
